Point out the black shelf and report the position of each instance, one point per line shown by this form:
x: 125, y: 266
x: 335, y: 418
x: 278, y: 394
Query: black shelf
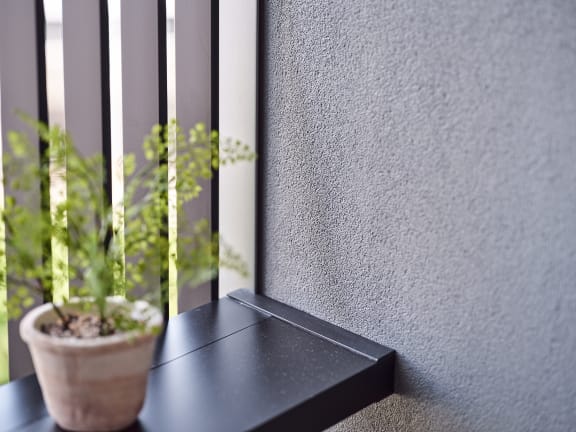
x: 243, y: 363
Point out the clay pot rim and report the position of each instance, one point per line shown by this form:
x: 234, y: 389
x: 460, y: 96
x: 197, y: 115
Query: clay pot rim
x: 31, y: 334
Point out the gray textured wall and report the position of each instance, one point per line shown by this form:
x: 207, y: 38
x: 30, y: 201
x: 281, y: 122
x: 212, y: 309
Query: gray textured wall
x: 420, y: 171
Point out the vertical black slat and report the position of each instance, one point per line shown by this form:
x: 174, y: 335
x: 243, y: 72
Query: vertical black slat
x: 214, y: 121
x: 163, y: 120
x: 162, y: 65
x: 105, y: 96
x: 259, y: 201
x: 106, y: 119
x: 42, y: 145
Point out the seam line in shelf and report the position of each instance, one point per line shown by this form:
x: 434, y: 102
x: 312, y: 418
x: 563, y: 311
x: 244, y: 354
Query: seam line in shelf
x: 209, y: 343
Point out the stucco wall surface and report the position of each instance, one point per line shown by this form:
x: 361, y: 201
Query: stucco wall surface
x: 420, y: 189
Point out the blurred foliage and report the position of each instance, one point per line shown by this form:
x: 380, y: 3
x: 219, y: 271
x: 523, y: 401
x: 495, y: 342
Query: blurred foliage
x: 111, y: 250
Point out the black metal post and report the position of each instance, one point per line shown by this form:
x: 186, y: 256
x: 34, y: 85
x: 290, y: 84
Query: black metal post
x: 105, y: 102
x: 43, y: 145
x: 260, y: 150
x: 163, y: 154
x: 214, y: 121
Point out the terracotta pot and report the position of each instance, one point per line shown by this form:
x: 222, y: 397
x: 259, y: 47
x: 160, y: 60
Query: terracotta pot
x: 96, y: 384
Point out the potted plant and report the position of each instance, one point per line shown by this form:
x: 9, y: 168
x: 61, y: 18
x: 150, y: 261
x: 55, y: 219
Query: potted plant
x: 92, y: 351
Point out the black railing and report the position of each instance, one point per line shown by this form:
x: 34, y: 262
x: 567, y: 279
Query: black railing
x: 15, y: 54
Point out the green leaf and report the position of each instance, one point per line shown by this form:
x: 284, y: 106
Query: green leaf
x: 129, y: 164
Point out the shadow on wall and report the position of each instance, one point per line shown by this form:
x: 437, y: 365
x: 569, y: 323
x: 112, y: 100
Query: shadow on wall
x: 418, y: 405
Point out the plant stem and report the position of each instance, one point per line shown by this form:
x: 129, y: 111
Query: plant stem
x: 65, y: 321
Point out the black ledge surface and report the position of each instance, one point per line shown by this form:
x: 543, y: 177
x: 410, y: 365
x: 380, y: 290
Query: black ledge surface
x: 244, y: 363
